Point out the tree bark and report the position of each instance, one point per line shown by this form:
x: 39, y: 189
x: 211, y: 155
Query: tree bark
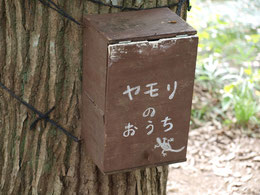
x: 41, y: 60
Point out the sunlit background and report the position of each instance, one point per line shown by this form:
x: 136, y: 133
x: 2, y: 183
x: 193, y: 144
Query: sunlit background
x: 224, y: 143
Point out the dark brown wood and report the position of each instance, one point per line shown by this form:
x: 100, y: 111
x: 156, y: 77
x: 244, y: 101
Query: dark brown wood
x: 108, y: 110
x: 139, y: 25
x: 94, y: 94
x: 95, y: 55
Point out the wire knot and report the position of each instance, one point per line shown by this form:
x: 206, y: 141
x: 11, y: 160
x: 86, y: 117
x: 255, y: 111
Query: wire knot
x: 41, y: 117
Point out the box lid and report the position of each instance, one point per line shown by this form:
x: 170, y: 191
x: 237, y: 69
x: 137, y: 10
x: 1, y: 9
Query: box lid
x: 139, y: 25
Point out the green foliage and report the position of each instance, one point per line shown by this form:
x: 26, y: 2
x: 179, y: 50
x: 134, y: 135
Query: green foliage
x: 229, y: 48
x: 242, y: 96
x: 225, y: 34
x: 210, y: 75
x: 244, y: 110
x: 229, y: 43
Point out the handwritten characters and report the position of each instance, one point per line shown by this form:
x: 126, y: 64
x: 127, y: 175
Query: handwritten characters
x: 129, y: 91
x: 149, y: 116
x: 166, y: 122
x: 152, y: 91
x: 173, y: 91
x: 149, y: 112
x: 129, y: 130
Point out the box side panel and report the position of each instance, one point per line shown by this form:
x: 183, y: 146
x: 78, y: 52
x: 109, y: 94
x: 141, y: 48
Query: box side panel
x: 149, y: 95
x: 93, y: 132
x: 93, y: 93
x: 94, y: 66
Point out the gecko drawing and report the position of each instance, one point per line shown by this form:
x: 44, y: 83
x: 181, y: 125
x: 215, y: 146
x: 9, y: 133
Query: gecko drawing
x: 164, y: 143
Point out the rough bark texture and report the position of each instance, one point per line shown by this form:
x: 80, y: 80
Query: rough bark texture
x: 41, y: 59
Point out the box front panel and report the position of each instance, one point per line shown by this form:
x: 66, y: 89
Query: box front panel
x: 148, y: 102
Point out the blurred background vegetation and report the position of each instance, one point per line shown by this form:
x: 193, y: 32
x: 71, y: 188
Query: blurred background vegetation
x: 227, y: 85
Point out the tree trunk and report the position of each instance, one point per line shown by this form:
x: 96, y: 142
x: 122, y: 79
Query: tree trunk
x: 41, y: 59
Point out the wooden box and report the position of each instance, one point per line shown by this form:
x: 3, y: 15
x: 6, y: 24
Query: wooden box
x: 138, y: 76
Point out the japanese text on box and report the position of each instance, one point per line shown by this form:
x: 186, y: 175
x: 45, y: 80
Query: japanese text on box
x: 150, y: 113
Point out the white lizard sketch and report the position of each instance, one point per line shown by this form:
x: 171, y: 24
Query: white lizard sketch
x: 164, y: 143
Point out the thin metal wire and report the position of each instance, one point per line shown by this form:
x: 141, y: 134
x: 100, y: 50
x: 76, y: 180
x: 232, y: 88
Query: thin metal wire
x: 54, y: 6
x: 40, y: 114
